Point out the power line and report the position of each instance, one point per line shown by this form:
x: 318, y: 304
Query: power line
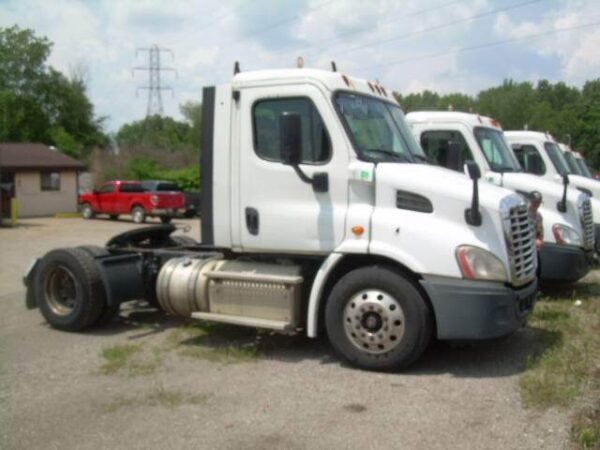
x: 389, y: 19
x: 441, y: 26
x: 480, y: 46
x: 154, y: 69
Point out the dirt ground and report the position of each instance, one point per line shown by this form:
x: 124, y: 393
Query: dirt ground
x: 56, y: 392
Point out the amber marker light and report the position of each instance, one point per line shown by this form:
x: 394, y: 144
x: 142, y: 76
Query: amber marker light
x: 358, y: 230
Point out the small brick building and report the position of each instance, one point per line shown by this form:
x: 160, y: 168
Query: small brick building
x: 42, y: 179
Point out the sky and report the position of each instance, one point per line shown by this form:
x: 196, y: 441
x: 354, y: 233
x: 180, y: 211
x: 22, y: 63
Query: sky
x: 407, y: 45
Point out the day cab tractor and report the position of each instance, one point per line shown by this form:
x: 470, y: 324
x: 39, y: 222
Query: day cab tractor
x: 318, y: 215
x: 450, y: 138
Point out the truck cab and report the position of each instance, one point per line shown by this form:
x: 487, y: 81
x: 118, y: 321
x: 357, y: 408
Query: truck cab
x: 553, y: 167
x: 576, y: 162
x: 319, y: 214
x: 450, y: 138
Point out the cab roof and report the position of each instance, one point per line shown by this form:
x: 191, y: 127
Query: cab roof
x: 473, y: 120
x: 331, y: 80
x: 526, y: 134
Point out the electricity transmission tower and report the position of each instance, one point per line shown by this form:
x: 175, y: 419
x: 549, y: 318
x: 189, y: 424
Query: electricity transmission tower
x: 154, y: 87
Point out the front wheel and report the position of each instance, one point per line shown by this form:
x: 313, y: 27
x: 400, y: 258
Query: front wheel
x: 377, y: 319
x: 86, y: 211
x: 138, y: 214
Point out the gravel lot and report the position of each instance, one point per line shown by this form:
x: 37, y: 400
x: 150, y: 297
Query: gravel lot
x: 295, y: 394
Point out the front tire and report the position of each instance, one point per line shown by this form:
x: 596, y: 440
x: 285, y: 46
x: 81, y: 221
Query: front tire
x: 86, y: 211
x: 376, y: 319
x: 138, y: 214
x: 69, y: 289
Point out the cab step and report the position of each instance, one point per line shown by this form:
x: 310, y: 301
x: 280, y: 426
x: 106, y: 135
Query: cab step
x: 277, y: 325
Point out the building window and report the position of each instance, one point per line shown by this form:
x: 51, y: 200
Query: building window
x: 316, y: 147
x: 50, y: 181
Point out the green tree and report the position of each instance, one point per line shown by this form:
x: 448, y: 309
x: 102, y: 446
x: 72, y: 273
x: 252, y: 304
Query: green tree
x: 192, y: 112
x: 39, y: 103
x: 158, y: 132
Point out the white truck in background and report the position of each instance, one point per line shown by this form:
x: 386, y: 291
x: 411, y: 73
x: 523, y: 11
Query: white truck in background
x: 318, y: 214
x: 450, y: 138
x: 543, y: 157
x: 576, y: 162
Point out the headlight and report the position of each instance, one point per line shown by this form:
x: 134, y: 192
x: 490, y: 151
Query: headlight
x: 479, y: 264
x: 566, y: 235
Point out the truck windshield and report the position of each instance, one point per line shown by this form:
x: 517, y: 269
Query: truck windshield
x: 496, y: 151
x: 556, y: 156
x: 583, y: 168
x: 572, y: 163
x: 378, y: 129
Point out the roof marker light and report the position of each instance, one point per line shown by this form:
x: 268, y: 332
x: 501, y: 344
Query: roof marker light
x: 370, y: 86
x: 300, y: 62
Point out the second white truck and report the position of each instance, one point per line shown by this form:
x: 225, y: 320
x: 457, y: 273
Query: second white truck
x: 451, y: 138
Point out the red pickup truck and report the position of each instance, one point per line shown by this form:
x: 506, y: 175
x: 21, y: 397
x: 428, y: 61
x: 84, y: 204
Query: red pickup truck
x: 130, y: 197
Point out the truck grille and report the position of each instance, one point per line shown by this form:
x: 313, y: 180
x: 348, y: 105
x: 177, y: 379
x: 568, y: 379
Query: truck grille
x: 587, y: 224
x: 521, y: 245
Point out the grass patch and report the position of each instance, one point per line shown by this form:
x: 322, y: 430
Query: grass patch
x: 216, y: 342
x: 157, y: 397
x: 130, y: 359
x: 564, y: 371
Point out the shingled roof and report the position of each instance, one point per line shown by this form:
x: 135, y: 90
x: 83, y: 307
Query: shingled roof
x: 31, y: 156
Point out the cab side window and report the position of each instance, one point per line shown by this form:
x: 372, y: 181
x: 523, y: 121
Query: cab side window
x: 316, y: 145
x: 106, y: 189
x: 436, y: 146
x: 530, y: 159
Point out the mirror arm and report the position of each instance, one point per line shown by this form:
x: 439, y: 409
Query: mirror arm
x: 473, y: 215
x: 562, y: 204
x: 319, y: 182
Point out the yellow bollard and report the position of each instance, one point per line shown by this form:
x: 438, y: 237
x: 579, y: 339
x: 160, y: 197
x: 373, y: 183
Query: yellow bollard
x: 13, y: 212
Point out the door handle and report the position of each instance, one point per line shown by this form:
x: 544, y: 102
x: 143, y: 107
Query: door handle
x: 252, y: 222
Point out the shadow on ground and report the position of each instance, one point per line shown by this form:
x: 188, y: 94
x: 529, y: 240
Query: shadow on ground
x: 500, y: 357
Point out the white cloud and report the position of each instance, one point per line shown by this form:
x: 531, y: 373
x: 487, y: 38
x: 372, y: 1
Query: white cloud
x: 577, y: 49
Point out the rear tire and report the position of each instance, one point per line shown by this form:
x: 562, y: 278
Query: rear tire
x: 69, y: 289
x: 166, y: 219
x: 87, y: 212
x: 376, y: 319
x: 108, y: 311
x: 138, y: 214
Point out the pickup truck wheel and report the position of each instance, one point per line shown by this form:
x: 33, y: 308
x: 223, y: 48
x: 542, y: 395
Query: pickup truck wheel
x: 377, y: 319
x: 69, y: 289
x: 138, y: 214
x: 86, y: 211
x: 165, y: 219
x: 108, y: 311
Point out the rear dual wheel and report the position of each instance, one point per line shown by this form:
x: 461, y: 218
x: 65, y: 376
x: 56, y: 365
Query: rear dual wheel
x: 377, y: 319
x: 69, y: 289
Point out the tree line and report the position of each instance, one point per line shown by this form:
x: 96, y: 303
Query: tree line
x: 40, y: 104
x: 570, y: 114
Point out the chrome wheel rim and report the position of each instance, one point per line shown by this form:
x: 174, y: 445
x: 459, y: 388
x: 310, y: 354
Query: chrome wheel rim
x: 374, y: 321
x: 87, y: 212
x: 61, y: 290
x: 137, y: 216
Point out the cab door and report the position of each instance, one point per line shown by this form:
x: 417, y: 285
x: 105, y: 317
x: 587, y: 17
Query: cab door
x: 278, y: 211
x: 105, y: 196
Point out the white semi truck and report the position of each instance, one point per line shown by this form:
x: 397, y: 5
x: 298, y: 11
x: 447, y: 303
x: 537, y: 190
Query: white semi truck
x: 450, y: 138
x: 544, y: 158
x: 317, y: 215
x: 576, y: 162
